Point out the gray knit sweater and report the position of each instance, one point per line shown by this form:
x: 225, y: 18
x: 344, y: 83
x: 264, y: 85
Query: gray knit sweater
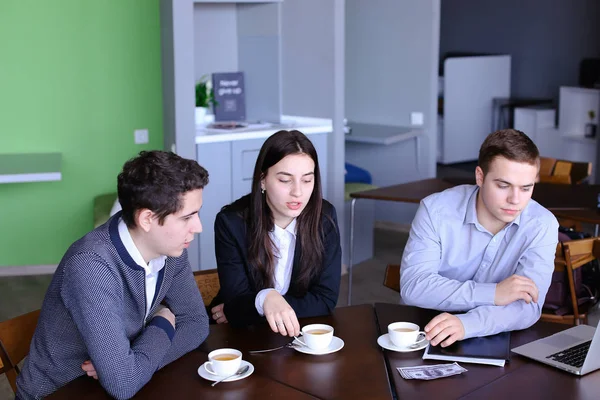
x: 95, y: 310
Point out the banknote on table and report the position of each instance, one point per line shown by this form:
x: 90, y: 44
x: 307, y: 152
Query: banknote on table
x: 428, y: 372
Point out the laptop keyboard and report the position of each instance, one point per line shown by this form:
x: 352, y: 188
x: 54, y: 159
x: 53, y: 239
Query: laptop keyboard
x: 574, y: 356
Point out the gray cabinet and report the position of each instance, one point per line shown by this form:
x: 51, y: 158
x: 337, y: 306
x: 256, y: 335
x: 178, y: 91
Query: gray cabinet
x: 216, y: 158
x: 230, y: 165
x: 245, y: 153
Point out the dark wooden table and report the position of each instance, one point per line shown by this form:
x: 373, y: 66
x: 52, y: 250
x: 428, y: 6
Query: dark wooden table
x: 550, y: 195
x: 334, y: 376
x: 356, y: 371
x: 538, y: 381
x: 519, y: 378
x: 180, y: 380
x: 574, y: 202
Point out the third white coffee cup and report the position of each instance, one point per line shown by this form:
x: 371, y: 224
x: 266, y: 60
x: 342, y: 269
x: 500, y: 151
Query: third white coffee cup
x: 317, y: 336
x: 404, y: 334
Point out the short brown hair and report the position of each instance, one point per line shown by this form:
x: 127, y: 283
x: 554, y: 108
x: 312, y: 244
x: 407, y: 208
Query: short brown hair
x: 157, y: 180
x: 511, y: 144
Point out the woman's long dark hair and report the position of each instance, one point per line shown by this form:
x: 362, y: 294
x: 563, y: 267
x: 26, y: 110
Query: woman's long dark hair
x: 260, y: 218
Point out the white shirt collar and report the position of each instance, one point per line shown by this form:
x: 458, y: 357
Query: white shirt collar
x: 155, y: 265
x: 291, y: 228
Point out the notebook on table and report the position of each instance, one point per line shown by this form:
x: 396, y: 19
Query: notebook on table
x: 489, y: 350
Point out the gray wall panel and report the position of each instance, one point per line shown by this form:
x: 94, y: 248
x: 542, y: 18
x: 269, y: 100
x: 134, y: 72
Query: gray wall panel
x: 546, y: 38
x: 313, y: 79
x: 392, y: 49
x: 212, y: 54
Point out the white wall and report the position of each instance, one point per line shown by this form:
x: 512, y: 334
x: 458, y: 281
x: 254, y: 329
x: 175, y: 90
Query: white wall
x: 392, y: 49
x: 313, y: 77
x: 211, y: 55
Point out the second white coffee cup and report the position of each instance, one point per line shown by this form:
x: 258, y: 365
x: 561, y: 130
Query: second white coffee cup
x: 316, y: 336
x: 404, y: 334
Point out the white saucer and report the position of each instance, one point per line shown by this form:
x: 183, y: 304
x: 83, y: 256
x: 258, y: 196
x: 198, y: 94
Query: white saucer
x: 385, y: 342
x: 335, y: 345
x: 203, y: 372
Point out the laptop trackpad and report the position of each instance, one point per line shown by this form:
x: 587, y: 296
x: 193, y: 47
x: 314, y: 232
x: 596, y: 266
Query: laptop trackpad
x: 561, y: 341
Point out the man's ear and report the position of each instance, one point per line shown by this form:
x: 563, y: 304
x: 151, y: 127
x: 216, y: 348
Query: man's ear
x: 144, y: 219
x: 479, y: 176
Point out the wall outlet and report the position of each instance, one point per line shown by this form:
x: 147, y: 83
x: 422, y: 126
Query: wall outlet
x: 416, y: 118
x: 140, y: 136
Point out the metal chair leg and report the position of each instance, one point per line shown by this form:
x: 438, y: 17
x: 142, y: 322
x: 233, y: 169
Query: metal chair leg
x: 351, y: 252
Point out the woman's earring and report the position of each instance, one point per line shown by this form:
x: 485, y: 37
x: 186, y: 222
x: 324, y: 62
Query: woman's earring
x: 262, y: 190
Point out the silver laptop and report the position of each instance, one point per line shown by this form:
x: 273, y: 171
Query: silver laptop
x: 576, y: 350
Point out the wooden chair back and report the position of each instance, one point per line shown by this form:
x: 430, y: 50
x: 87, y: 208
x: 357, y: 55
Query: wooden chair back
x: 570, y: 223
x: 546, y: 166
x: 563, y: 171
x: 392, y: 277
x: 208, y: 283
x: 570, y: 256
x: 562, y: 168
x: 15, y: 339
x: 559, y: 179
x: 580, y: 171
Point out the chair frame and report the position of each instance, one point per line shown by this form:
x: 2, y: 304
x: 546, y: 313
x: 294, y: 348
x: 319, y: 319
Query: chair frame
x: 391, y: 278
x: 15, y: 339
x: 570, y: 256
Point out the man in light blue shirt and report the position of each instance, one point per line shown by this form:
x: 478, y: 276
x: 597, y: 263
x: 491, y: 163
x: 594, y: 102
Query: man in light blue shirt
x: 486, y: 250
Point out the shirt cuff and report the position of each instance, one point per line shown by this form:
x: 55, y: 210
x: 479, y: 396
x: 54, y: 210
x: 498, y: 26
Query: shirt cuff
x: 165, y: 325
x: 260, y: 300
x: 470, y: 323
x: 484, y: 294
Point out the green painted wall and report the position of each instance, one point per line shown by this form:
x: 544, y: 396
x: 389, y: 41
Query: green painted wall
x: 76, y: 77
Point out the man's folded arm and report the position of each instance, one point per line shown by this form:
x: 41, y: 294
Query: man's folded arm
x: 191, y: 321
x: 537, y: 264
x: 93, y: 296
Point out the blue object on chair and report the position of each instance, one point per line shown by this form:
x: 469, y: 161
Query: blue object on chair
x: 355, y: 174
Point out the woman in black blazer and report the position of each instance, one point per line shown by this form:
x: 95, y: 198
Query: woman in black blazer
x: 278, y: 248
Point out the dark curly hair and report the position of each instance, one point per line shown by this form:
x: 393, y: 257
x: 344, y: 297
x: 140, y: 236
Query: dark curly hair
x: 157, y: 180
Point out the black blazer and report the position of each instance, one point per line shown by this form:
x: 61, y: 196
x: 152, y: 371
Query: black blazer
x: 238, y: 289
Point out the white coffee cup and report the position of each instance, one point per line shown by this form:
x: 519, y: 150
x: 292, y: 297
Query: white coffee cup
x: 404, y: 334
x: 317, y: 336
x: 224, y: 362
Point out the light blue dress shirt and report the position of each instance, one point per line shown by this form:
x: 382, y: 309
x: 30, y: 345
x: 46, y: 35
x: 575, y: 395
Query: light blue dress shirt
x: 452, y: 263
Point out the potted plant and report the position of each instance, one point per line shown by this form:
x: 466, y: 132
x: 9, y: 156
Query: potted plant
x: 204, y: 98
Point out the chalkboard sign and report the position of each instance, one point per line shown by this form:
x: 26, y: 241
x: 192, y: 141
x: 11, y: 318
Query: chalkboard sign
x: 230, y: 96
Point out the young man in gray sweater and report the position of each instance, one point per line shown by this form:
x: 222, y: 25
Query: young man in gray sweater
x: 123, y: 302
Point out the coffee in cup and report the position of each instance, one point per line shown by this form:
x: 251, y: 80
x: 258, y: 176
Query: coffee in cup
x: 224, y: 362
x: 317, y: 336
x: 404, y: 334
